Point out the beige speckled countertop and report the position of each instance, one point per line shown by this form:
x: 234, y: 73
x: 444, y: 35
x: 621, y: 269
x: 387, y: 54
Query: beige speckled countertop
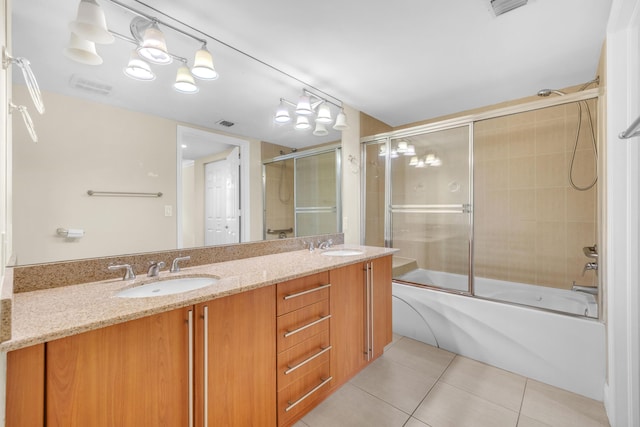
x: 49, y: 314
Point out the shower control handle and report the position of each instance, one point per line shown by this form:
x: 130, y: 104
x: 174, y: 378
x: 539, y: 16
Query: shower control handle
x: 590, y: 266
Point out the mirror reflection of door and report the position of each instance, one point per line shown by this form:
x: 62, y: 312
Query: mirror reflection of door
x: 222, y: 211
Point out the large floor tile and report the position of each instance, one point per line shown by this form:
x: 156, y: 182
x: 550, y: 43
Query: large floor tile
x: 495, y: 385
x: 415, y: 423
x: 300, y: 424
x: 448, y: 406
x: 419, y: 356
x: 525, y: 421
x: 560, y: 408
x: 353, y: 407
x: 396, y: 384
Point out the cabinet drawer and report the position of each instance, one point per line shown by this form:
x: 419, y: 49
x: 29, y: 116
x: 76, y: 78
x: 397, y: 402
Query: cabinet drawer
x: 300, y: 359
x: 297, y: 293
x: 306, y: 391
x: 297, y: 326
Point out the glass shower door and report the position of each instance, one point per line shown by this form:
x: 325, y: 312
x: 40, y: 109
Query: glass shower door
x: 317, y: 194
x: 430, y: 208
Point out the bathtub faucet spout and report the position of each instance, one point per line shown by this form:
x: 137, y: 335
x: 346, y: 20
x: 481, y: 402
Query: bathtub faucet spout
x: 593, y: 290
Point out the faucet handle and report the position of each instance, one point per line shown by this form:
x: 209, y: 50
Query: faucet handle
x: 128, y: 274
x: 154, y: 268
x: 590, y: 266
x: 174, y: 265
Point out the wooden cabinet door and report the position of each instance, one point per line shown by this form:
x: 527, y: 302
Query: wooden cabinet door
x: 348, y: 354
x: 381, y: 321
x: 25, y: 387
x: 235, y: 373
x: 132, y: 374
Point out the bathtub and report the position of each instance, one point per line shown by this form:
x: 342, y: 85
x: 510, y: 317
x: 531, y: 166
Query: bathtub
x: 561, y: 300
x: 564, y: 351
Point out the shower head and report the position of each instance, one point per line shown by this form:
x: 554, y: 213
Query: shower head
x: 547, y: 92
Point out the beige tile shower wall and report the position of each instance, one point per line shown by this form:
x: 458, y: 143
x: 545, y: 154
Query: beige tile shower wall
x: 374, y: 197
x: 530, y: 225
x: 279, y: 197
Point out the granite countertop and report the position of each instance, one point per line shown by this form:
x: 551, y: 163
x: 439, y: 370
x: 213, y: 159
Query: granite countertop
x: 49, y: 314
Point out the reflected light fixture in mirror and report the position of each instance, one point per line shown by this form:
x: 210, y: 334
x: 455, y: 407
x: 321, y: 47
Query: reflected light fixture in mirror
x: 184, y: 81
x: 82, y: 51
x: 91, y: 24
x: 154, y: 46
x: 138, y: 69
x: 306, y: 107
x: 203, y: 65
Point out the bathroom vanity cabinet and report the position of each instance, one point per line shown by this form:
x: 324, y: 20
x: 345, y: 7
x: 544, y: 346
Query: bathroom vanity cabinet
x: 361, y: 315
x: 263, y: 357
x: 157, y: 371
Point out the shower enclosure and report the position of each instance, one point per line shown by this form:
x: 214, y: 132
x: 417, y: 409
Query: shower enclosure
x: 302, y: 194
x: 484, y: 205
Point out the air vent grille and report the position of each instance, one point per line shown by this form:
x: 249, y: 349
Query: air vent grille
x: 88, y: 85
x: 225, y: 123
x: 503, y: 6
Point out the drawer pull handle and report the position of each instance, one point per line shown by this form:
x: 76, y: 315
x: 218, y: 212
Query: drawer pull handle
x: 304, y: 362
x: 302, y: 328
x: 308, y: 291
x: 316, y: 388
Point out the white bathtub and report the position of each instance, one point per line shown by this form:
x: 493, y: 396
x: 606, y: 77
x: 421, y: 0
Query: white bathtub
x: 564, y: 351
x: 562, y: 300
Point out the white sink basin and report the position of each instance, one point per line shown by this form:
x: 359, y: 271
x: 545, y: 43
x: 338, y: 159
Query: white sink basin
x: 167, y: 287
x: 342, y: 252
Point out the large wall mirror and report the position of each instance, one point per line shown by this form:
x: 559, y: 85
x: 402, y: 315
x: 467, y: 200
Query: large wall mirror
x: 107, y: 133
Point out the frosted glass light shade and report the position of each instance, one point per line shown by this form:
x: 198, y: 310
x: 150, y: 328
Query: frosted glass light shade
x: 402, y: 147
x: 411, y: 150
x: 203, y: 65
x: 383, y: 150
x: 320, y: 130
x: 138, y: 69
x: 324, y: 114
x: 82, y: 51
x: 282, y: 113
x: 414, y: 161
x: 341, y: 121
x: 91, y: 24
x: 302, y: 123
x: 184, y: 81
x: 304, y: 106
x: 154, y: 47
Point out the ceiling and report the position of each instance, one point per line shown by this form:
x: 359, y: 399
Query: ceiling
x: 400, y: 62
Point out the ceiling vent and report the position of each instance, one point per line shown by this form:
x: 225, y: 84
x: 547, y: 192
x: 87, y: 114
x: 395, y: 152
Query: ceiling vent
x: 225, y: 123
x: 503, y: 6
x: 92, y: 86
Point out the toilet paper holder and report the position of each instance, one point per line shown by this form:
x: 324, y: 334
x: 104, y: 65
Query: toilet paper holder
x: 70, y: 233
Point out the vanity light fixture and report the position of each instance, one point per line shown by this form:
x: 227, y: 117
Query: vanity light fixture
x: 309, y: 105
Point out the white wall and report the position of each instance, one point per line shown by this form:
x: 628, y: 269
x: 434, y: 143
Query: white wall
x: 621, y: 274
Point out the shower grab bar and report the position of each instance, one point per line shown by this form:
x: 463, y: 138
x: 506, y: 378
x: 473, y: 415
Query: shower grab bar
x: 284, y: 230
x: 314, y: 209
x: 463, y: 208
x: 632, y: 130
x: 122, y: 194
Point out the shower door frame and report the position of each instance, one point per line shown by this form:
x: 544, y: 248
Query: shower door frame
x: 466, y: 208
x: 331, y: 148
x: 470, y: 120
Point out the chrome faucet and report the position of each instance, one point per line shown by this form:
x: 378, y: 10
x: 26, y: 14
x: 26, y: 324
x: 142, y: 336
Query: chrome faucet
x: 154, y: 268
x: 310, y: 243
x: 325, y: 245
x: 590, y: 266
x: 174, y: 265
x: 128, y: 270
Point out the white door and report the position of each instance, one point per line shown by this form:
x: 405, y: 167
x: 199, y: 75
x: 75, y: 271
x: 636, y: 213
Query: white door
x: 222, y: 195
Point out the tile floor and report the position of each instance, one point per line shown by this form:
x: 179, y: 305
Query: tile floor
x: 417, y: 385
